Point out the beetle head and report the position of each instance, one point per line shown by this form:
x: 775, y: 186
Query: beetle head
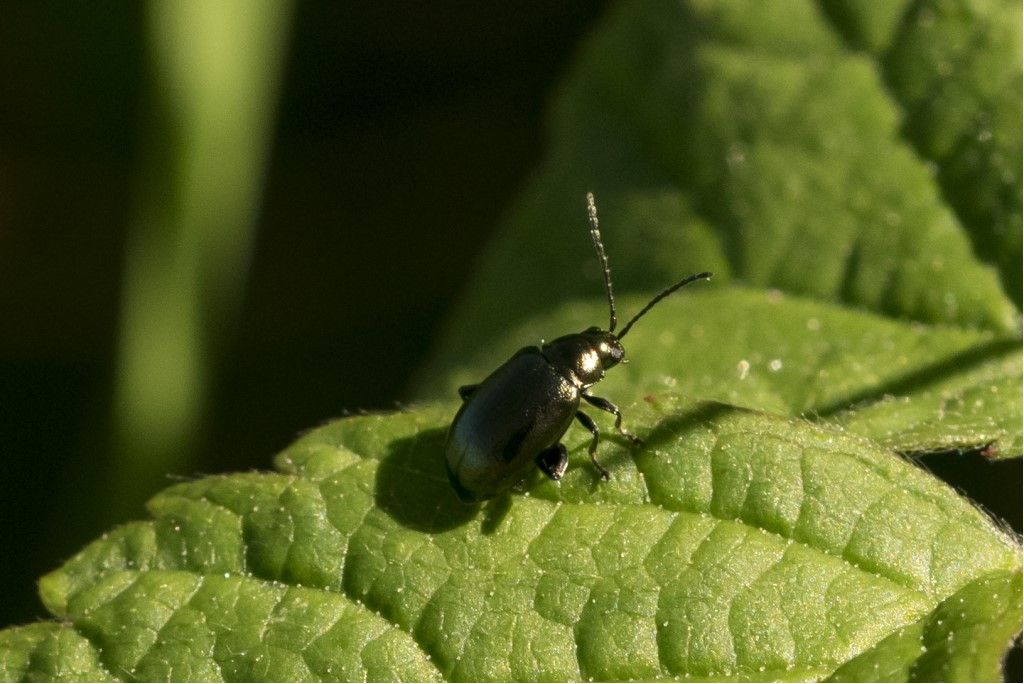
x: 587, y: 355
x: 606, y: 345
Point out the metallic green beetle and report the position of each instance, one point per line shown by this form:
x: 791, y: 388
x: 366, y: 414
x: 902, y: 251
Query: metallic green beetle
x: 517, y: 416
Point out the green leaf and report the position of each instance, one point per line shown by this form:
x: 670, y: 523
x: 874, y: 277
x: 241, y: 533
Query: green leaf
x: 911, y: 387
x: 963, y: 640
x: 954, y: 68
x: 733, y: 545
x: 753, y: 140
x: 48, y: 652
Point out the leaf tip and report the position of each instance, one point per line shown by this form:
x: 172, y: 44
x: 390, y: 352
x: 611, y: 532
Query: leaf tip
x: 54, y: 588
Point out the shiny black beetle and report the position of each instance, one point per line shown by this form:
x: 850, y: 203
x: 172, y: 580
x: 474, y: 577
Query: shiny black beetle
x: 517, y: 415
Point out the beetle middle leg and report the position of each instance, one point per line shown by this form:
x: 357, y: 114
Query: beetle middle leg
x: 467, y: 390
x: 553, y: 461
x: 605, y: 405
x: 588, y: 423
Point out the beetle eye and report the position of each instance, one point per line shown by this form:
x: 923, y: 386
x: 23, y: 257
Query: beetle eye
x: 610, y: 352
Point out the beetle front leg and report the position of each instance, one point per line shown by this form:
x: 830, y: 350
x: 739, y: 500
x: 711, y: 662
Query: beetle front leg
x: 553, y: 461
x: 605, y: 405
x: 467, y: 390
x: 586, y: 422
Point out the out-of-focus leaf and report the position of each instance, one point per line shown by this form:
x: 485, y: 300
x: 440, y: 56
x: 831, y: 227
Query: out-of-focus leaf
x: 753, y: 140
x: 215, y: 73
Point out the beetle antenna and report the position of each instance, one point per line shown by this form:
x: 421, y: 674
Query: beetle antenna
x: 595, y: 235
x: 664, y: 293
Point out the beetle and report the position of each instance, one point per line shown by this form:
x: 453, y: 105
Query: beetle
x: 517, y: 416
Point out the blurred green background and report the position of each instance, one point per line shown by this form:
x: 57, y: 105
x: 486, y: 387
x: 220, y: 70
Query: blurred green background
x: 221, y: 226
x: 224, y: 223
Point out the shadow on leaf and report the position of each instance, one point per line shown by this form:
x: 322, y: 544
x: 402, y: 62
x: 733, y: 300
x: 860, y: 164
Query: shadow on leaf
x: 920, y: 378
x: 495, y: 511
x: 672, y: 426
x: 413, y: 488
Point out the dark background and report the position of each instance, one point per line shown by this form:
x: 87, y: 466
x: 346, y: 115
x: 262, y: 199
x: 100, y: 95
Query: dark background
x: 403, y: 131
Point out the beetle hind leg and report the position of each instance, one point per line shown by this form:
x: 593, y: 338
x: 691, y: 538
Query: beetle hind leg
x: 553, y: 461
x: 588, y: 423
x: 605, y: 405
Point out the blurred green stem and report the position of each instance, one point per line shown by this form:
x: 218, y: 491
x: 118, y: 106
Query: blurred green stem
x: 215, y: 69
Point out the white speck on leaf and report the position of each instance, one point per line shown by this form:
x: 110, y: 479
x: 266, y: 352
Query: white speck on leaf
x: 744, y: 368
